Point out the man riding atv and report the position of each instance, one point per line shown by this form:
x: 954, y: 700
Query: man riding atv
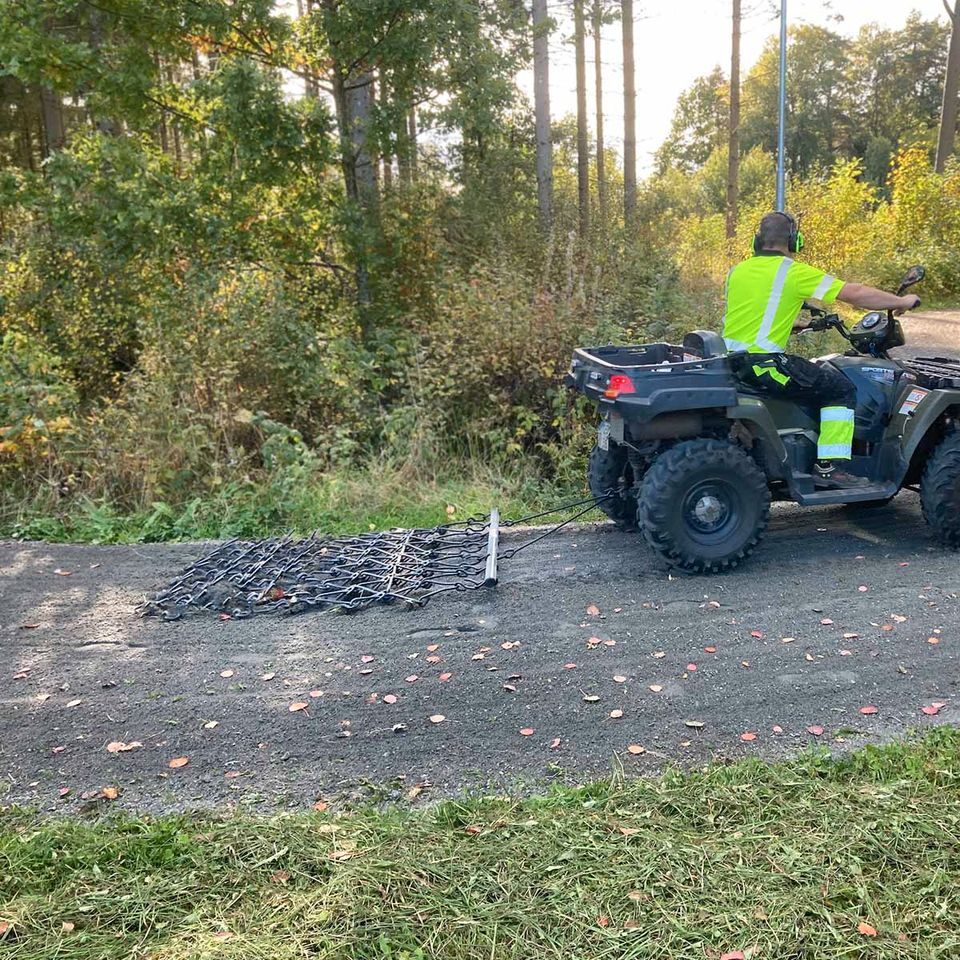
x: 765, y: 295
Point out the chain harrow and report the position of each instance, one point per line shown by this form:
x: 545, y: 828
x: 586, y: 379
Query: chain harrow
x: 241, y: 578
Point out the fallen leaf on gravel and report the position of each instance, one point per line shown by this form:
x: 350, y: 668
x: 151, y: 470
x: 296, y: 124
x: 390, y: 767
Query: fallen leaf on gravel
x: 43, y: 697
x: 866, y: 929
x: 554, y: 743
x: 211, y: 725
x: 437, y: 718
x: 636, y: 749
x: 444, y: 677
x: 619, y: 679
x: 866, y: 711
x: 389, y: 698
x: 526, y: 732
x: 58, y: 749
x: 851, y: 636
x: 777, y: 728
x: 413, y: 678
x: 433, y: 648
x: 609, y: 643
x: 658, y: 655
x: 226, y: 674
x: 569, y: 666
x: 748, y: 737
x: 479, y: 656
x: 110, y: 793
x: 816, y: 731
x: 862, y: 588
x: 177, y: 762
x: 616, y: 714
x: 933, y: 640
x: 590, y: 698
x: 788, y: 639
x: 827, y: 622
x: 694, y: 724
x: 809, y: 657
x: 887, y: 627
x: 63, y: 792
x: 655, y: 687
x: 434, y: 659
x: 268, y: 676
x: 758, y: 634
x: 298, y: 706
x: 63, y: 573
x: 320, y: 806
x: 509, y: 687
x: 933, y: 709
x: 314, y: 694
x: 593, y: 610
x: 232, y: 774
x: 118, y: 746
x: 896, y: 618
x: 29, y: 626
x: 745, y: 664
x: 74, y: 703
x: 845, y: 653
x: 367, y: 659
x: 709, y: 649
x: 691, y: 667
x: 225, y: 616
x: 593, y: 641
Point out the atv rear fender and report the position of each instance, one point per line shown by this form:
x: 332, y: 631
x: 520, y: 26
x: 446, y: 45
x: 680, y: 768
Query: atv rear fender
x: 754, y: 417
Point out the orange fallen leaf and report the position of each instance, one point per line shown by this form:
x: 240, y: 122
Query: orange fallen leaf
x: 526, y: 732
x: 777, y: 728
x: 732, y: 955
x: 827, y: 622
x: 593, y: 610
x: 655, y: 687
x: 367, y: 659
x: 320, y: 806
x: 636, y: 749
x: 118, y: 746
x: 314, y: 694
x: 866, y: 711
x: 63, y: 792
x: 758, y: 634
x: 268, y: 676
x: 296, y: 707
x: 177, y: 762
x: 862, y: 588
x: 389, y: 698
x: 616, y: 714
x: 933, y: 709
x: 472, y: 829
x: 709, y: 649
x: 619, y: 679
x: 280, y: 876
x: 110, y: 793
x: 226, y: 674
x: 748, y: 737
x: 554, y: 743
x: 692, y: 667
x: 433, y: 648
x: 603, y: 921
x: 816, y: 731
x: 887, y: 627
x: 569, y: 666
x: 434, y: 659
x: 413, y: 678
x: 933, y: 640
x: 444, y: 677
x: 866, y: 929
x: 437, y: 718
x: 67, y: 926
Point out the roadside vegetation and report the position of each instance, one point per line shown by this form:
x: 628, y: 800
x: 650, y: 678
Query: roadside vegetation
x: 817, y: 857
x: 218, y: 316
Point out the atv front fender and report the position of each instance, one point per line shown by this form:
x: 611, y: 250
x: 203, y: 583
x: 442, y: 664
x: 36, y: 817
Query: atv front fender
x: 920, y: 429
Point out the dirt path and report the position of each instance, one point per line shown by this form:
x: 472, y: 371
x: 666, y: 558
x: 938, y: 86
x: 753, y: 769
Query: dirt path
x: 80, y: 670
x: 930, y: 332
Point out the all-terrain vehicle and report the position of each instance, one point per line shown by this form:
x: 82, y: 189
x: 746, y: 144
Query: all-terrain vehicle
x: 693, y: 457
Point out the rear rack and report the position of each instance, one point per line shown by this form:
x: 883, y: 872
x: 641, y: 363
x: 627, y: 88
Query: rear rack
x: 936, y: 373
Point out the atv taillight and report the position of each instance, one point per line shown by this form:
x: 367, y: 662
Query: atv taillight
x: 619, y: 383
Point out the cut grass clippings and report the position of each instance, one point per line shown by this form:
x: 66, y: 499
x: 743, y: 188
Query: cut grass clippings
x: 775, y: 860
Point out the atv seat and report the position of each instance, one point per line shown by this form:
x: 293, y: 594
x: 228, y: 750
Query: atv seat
x: 704, y: 344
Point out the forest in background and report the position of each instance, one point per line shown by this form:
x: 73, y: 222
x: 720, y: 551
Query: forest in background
x: 264, y: 270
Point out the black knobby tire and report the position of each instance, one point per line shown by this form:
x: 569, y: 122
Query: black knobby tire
x: 940, y: 490
x: 704, y: 505
x: 611, y: 470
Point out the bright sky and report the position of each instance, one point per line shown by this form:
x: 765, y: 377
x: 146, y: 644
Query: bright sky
x: 679, y: 40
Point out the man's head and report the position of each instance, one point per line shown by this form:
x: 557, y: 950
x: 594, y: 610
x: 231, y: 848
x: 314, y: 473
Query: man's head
x: 778, y: 232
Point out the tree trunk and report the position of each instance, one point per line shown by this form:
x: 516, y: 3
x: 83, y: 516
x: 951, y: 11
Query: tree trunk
x: 51, y: 111
x: 175, y: 125
x: 629, y: 115
x: 583, y: 149
x: 105, y: 125
x: 733, y: 156
x: 948, y: 112
x: 598, y: 89
x: 387, y: 158
x: 412, y: 135
x: 541, y: 96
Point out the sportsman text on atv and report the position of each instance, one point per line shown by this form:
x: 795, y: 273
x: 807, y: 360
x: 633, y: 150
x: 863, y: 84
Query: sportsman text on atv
x: 693, y: 457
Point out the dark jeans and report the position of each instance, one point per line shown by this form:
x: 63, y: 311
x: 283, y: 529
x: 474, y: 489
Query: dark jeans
x: 794, y: 378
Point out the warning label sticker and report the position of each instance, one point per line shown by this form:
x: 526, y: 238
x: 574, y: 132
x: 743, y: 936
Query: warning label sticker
x: 914, y: 399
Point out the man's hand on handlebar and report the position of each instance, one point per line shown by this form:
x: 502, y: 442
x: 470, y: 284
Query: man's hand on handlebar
x: 910, y: 302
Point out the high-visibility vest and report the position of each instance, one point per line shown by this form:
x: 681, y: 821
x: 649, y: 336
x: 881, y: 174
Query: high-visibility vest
x: 765, y: 294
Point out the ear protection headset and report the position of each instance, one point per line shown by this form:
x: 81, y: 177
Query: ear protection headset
x: 795, y: 240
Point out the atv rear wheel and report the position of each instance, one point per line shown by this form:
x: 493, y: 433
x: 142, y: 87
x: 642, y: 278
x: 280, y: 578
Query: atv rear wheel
x: 611, y: 471
x: 704, y: 505
x: 940, y: 490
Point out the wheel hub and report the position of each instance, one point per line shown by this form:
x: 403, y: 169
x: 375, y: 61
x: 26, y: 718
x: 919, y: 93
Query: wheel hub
x: 709, y: 510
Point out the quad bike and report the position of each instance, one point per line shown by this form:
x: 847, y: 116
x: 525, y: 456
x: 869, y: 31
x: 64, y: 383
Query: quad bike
x: 693, y: 457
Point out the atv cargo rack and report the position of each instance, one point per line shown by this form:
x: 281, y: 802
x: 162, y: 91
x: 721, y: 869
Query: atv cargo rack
x: 936, y: 373
x: 647, y: 380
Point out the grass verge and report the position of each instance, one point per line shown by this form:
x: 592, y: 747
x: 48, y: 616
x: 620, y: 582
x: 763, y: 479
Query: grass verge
x: 794, y: 860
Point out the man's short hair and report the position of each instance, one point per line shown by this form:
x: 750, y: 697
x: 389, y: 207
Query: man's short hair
x: 775, y: 230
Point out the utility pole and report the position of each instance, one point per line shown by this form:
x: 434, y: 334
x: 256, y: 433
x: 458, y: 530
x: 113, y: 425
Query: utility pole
x: 948, y: 112
x: 781, y: 129
x: 733, y: 145
x: 598, y: 89
x: 583, y: 148
x: 629, y: 115
x: 541, y: 100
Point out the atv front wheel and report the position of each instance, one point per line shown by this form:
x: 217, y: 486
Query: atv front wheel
x: 704, y: 505
x: 940, y: 490
x: 610, y: 471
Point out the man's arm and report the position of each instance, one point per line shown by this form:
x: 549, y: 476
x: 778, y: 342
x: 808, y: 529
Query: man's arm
x: 869, y: 298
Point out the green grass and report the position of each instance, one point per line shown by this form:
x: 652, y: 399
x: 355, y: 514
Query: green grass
x: 780, y: 861
x: 347, y: 501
